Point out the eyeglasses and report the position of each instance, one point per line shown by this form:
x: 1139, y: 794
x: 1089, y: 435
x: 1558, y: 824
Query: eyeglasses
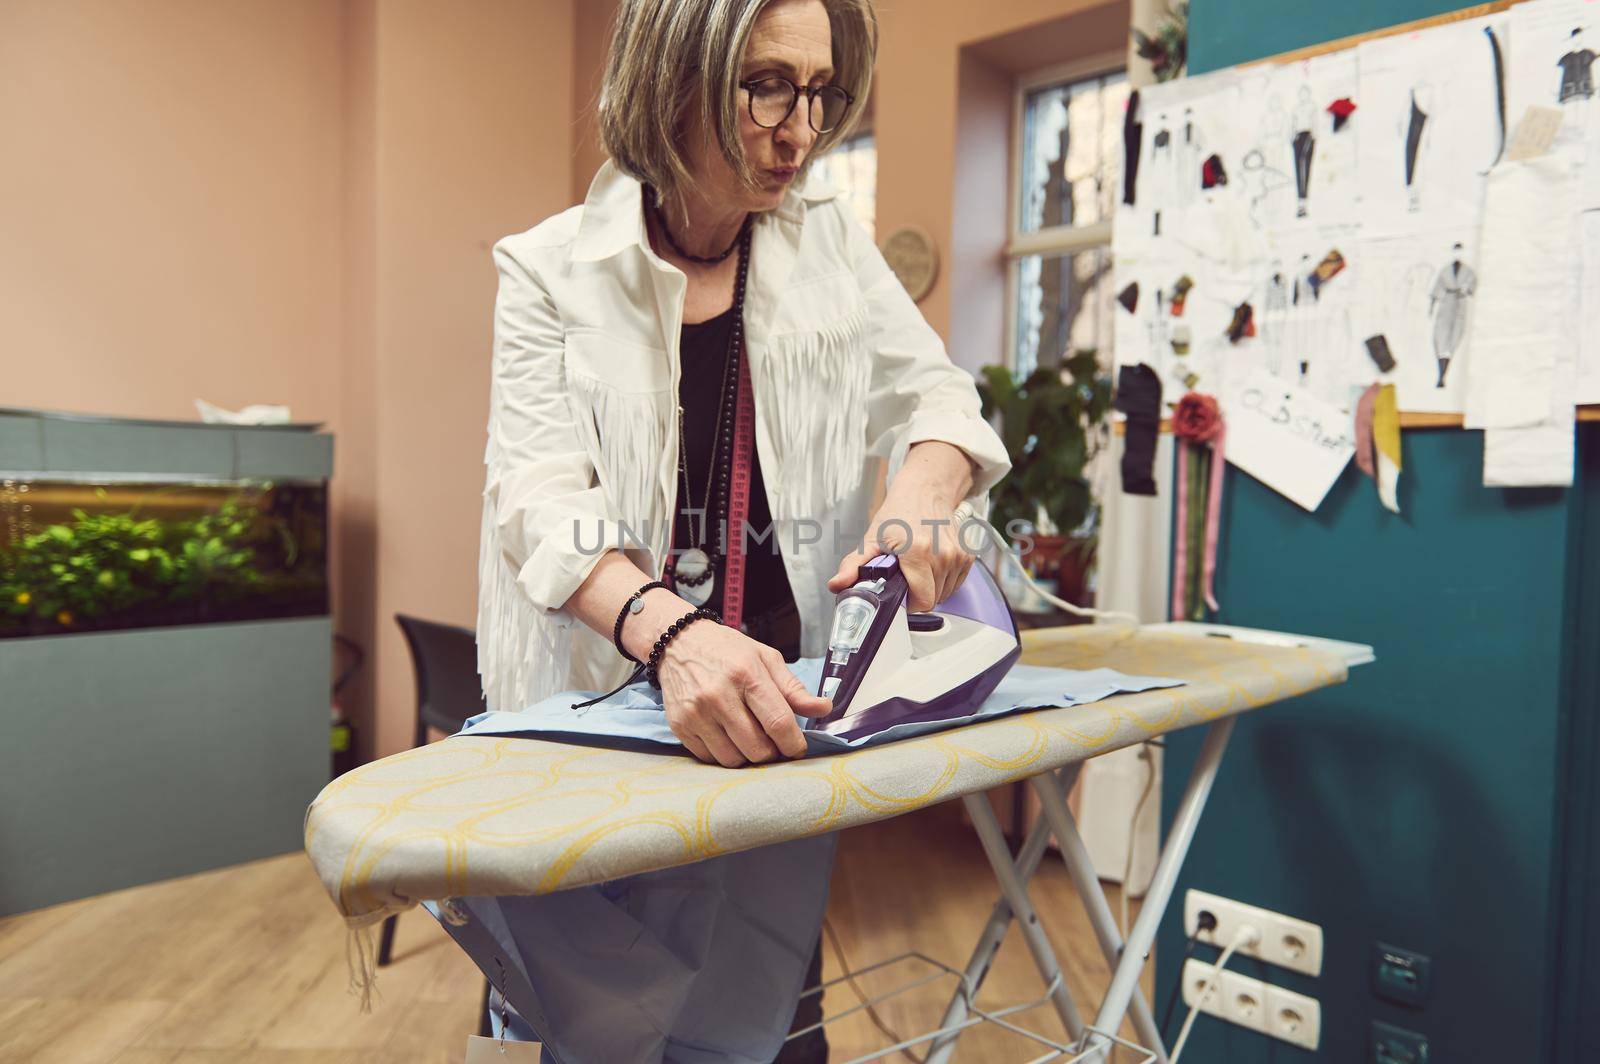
x: 772, y: 100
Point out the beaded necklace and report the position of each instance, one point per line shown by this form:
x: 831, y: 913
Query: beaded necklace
x: 693, y: 572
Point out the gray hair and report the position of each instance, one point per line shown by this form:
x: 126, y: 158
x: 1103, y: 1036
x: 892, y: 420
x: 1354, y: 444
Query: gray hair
x: 661, y: 50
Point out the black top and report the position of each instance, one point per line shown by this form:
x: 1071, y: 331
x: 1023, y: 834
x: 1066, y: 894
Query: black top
x: 768, y: 600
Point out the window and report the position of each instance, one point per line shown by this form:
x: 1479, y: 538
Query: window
x: 852, y: 167
x: 1068, y: 164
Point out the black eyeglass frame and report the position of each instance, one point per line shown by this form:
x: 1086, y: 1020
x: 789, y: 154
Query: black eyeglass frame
x: 811, y: 98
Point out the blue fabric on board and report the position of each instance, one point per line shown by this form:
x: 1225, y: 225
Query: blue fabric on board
x: 634, y: 713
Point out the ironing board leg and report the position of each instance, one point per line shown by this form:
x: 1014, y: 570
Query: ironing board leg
x: 1142, y: 936
x: 1015, y: 890
x: 1075, y: 855
x: 1027, y: 862
x: 1028, y: 858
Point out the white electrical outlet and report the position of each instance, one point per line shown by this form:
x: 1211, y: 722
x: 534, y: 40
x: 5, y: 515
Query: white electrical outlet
x: 1285, y: 941
x: 1293, y: 1017
x: 1236, y: 998
x: 1251, y: 1003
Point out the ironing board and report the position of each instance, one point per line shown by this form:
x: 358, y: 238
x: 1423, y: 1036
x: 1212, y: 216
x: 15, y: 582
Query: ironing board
x: 482, y: 815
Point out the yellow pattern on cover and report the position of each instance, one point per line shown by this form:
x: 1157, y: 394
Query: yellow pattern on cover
x: 480, y: 815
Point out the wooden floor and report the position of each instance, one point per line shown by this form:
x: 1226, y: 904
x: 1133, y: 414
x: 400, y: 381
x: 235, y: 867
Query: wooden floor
x: 247, y: 964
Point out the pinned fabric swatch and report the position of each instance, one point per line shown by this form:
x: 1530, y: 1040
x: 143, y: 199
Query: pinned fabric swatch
x: 1378, y: 350
x: 1341, y: 110
x: 1326, y: 270
x: 1243, y: 323
x: 1180, y: 292
x: 1366, y: 456
x: 1132, y: 142
x: 1199, y: 429
x: 1139, y: 400
x: 1386, y: 445
x: 1129, y: 297
x: 1211, y: 172
x: 1180, y: 339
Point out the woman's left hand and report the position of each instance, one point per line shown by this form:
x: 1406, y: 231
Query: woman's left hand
x: 917, y: 522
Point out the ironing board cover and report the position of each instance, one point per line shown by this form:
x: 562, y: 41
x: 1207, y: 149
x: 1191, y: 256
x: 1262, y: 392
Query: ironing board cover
x: 482, y: 815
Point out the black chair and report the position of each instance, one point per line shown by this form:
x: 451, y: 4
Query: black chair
x: 445, y: 659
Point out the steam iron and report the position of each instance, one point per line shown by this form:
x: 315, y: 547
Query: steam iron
x: 888, y: 666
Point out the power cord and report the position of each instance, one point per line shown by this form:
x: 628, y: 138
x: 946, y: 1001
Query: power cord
x: 1245, y: 936
x: 1203, y: 923
x: 1133, y: 826
x: 1027, y: 578
x: 872, y: 1013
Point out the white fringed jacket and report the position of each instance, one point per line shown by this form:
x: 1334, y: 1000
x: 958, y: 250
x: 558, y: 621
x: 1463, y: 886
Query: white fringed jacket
x: 583, y: 451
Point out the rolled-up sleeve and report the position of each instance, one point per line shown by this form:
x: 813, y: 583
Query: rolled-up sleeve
x: 916, y: 392
x: 551, y: 519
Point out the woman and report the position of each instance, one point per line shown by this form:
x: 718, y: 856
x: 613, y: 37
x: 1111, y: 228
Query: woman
x: 708, y: 327
x: 607, y: 321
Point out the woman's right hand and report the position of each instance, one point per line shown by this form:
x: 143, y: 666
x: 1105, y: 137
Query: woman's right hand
x: 732, y: 700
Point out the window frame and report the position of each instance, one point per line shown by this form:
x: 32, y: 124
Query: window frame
x: 1054, y: 239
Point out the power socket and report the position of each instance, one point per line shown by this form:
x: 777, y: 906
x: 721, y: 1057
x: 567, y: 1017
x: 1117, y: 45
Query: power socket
x: 1236, y: 998
x: 1285, y: 941
x: 1251, y: 1003
x: 1294, y: 1018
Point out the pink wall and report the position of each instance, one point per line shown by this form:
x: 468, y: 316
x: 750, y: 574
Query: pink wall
x: 473, y: 142
x: 289, y: 202
x: 170, y: 205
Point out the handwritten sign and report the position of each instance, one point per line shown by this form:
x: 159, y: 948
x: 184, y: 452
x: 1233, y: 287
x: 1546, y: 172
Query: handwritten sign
x: 1287, y: 438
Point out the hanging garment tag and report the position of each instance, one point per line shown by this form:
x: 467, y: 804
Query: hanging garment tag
x: 482, y: 1050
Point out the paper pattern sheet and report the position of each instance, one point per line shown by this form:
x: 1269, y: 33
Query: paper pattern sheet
x: 1588, y: 373
x: 1525, y: 372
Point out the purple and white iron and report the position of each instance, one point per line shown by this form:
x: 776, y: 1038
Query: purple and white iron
x: 888, y: 666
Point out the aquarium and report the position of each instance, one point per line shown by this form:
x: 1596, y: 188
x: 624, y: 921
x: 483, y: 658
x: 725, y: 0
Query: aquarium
x: 86, y: 554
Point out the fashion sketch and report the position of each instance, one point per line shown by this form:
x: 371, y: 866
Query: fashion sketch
x: 1303, y: 145
x: 1158, y: 173
x: 1274, y: 315
x: 1577, y: 70
x: 1499, y: 57
x: 1187, y: 161
x: 1303, y: 315
x: 1157, y: 324
x: 1132, y: 145
x: 1263, y: 184
x: 1449, y: 305
x: 1417, y: 136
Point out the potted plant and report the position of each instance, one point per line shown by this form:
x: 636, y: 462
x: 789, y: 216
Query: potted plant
x: 1167, y: 49
x: 1053, y: 423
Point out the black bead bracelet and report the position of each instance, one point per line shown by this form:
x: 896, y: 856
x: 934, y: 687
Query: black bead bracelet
x: 666, y: 637
x: 633, y: 605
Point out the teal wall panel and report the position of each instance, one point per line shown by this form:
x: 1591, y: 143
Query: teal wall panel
x: 1438, y: 801
x: 1225, y: 32
x: 1576, y: 937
